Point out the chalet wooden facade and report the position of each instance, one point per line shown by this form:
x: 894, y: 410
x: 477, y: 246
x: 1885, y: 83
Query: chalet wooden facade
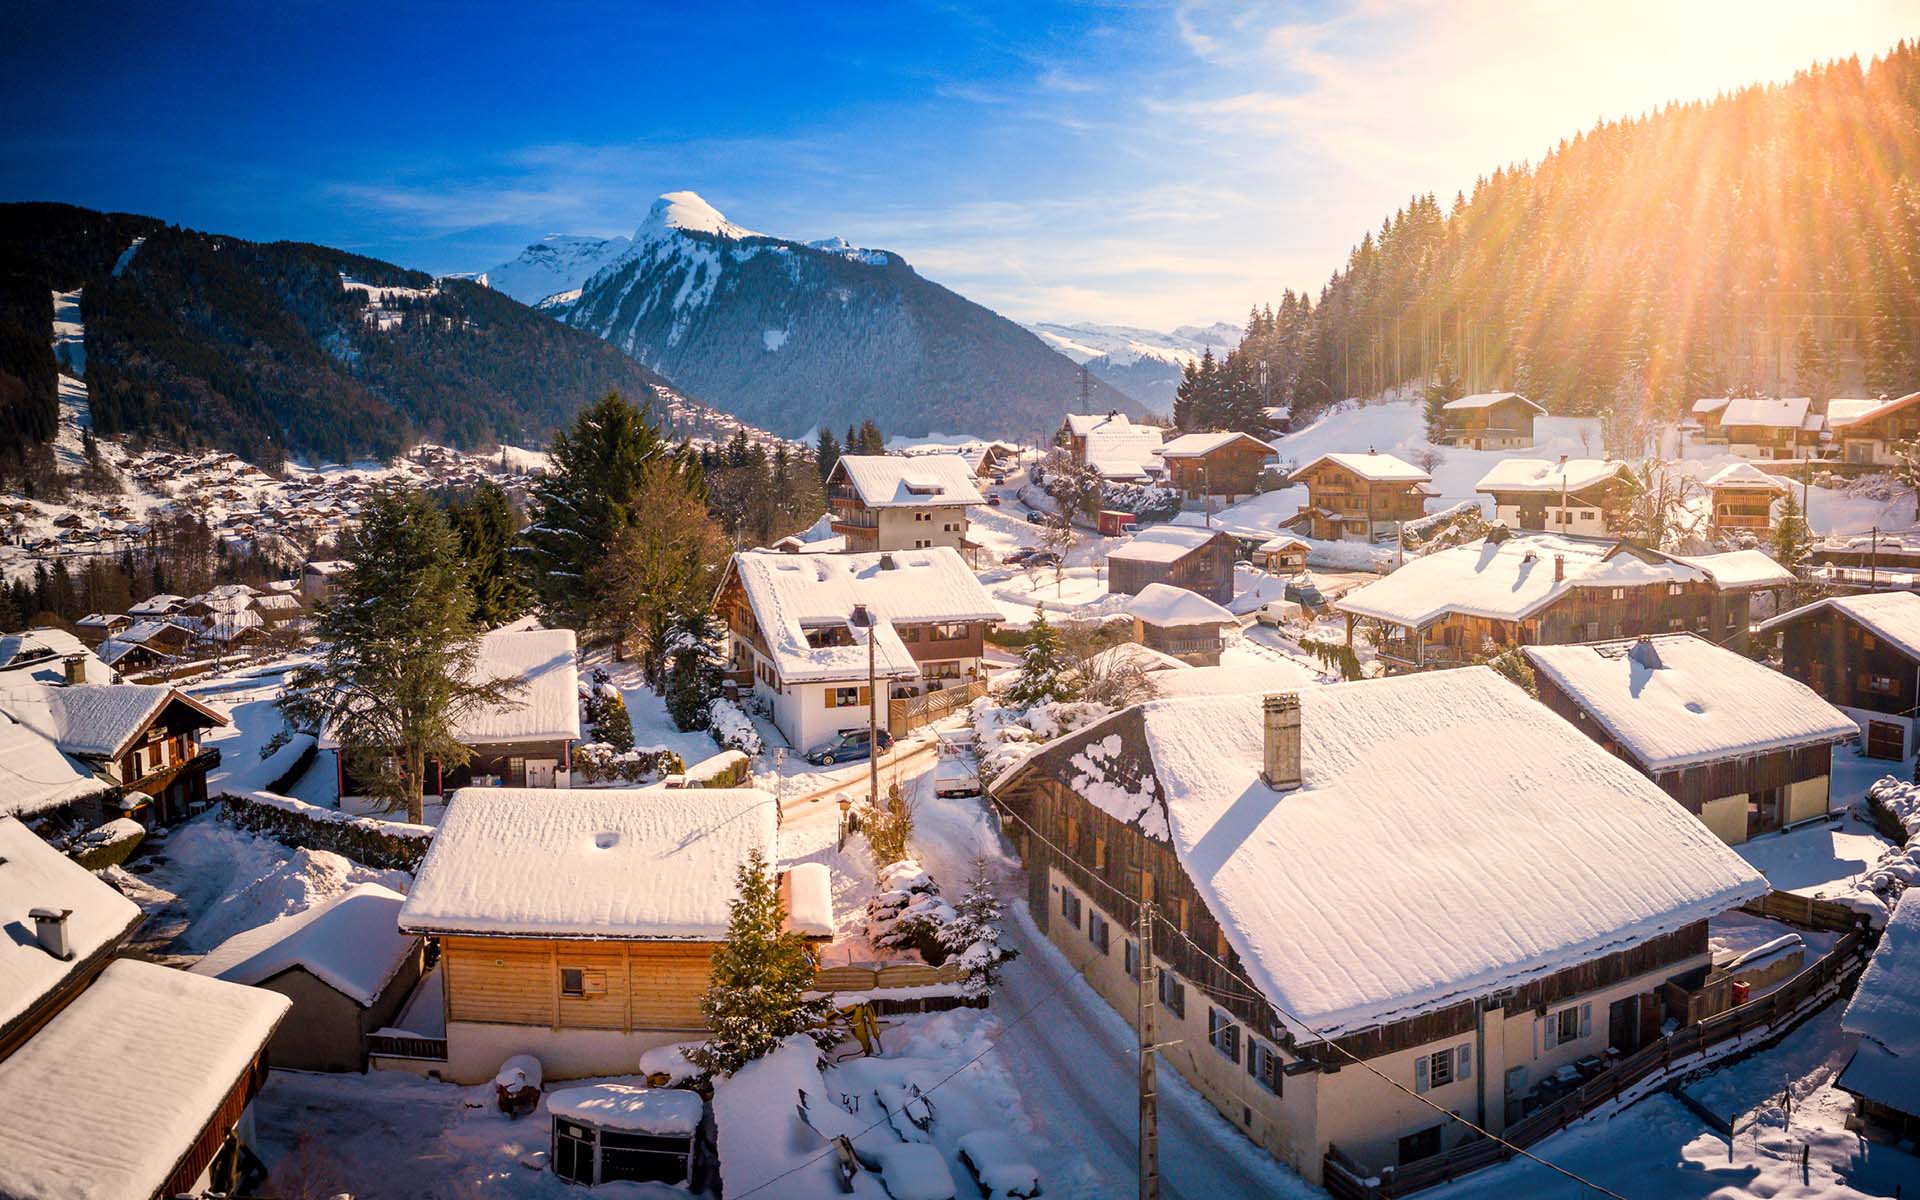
x: 1771, y: 428
x: 1181, y: 624
x: 1111, y: 445
x: 1491, y: 421
x: 1224, y: 466
x: 1761, y: 762
x: 1579, y: 496
x: 1197, y: 559
x: 1361, y: 497
x: 1743, y: 498
x: 1281, y: 555
x: 1862, y: 655
x: 588, y: 976
x: 1870, y: 438
x: 1289, y: 1086
x: 902, y: 502
x: 141, y: 741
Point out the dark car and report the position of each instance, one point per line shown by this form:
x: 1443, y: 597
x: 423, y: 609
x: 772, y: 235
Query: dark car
x: 1041, y: 558
x: 1036, y: 517
x: 848, y: 746
x: 1019, y: 556
x: 1303, y: 591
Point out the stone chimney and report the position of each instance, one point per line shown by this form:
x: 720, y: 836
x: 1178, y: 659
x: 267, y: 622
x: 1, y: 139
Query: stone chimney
x: 50, y: 929
x: 1559, y: 568
x: 1280, y: 740
x: 76, y: 668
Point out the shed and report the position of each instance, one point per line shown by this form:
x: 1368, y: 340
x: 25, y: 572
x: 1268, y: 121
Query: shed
x: 1884, y: 1075
x: 1181, y: 623
x: 344, y: 964
x: 1199, y: 560
x: 612, y: 1131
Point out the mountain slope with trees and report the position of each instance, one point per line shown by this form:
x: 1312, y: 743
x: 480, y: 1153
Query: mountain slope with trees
x: 259, y: 348
x: 1765, y: 242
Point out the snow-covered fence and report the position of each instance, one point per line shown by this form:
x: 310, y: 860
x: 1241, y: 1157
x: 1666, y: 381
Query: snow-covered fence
x: 392, y: 845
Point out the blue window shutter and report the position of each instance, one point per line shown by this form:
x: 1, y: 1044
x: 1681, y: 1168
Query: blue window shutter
x: 1463, y: 1063
x: 1420, y: 1074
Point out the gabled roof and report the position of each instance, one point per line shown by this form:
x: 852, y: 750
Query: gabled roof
x: 1550, y: 476
x: 1164, y: 543
x: 909, y: 481
x: 1550, y: 852
x: 35, y: 775
x: 1738, y: 569
x: 1124, y: 451
x: 1712, y: 404
x: 1885, y: 1013
x: 96, y: 720
x: 545, y: 705
x: 1788, y: 413
x: 1165, y: 605
x: 40, y: 655
x: 1081, y: 424
x: 639, y: 864
x: 351, y: 943
x: 1488, y: 400
x: 1746, y: 475
x: 1372, y: 466
x: 1893, y: 617
x: 1850, y: 411
x: 144, y: 1058
x: 793, y: 593
x: 35, y: 875
x: 1677, y: 700
x: 157, y: 605
x: 1199, y: 445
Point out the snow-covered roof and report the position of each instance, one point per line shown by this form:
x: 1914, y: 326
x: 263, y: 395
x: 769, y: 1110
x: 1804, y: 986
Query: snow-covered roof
x: 545, y: 704
x: 41, y: 654
x: 1451, y: 839
x: 1276, y: 675
x: 1885, y: 1013
x: 1788, y: 413
x: 1282, y: 541
x: 1745, y: 474
x: 1677, y: 700
x: 1842, y: 412
x: 156, y: 606
x: 1488, y: 400
x: 793, y: 593
x: 144, y: 1058
x: 351, y: 943
x: 327, y: 566
x: 1163, y: 543
x: 1124, y: 451
x: 652, y: 864
x: 35, y: 774
x: 1738, y: 569
x: 1893, y: 617
x: 1504, y: 581
x: 95, y: 720
x: 909, y: 481
x: 1709, y: 405
x: 1372, y: 466
x: 664, y: 1112
x: 1549, y: 476
x: 809, y: 898
x: 1198, y: 445
x: 1081, y: 424
x: 1164, y: 604
x: 35, y: 875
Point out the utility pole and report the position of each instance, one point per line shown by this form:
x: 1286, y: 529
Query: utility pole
x: 1085, y: 404
x: 1873, y: 561
x: 1149, y: 1081
x: 863, y: 615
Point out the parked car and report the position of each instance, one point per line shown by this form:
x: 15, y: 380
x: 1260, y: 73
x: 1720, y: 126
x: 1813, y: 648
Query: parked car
x: 1303, y: 591
x: 1276, y: 612
x: 1021, y: 555
x: 993, y: 499
x: 1036, y: 517
x: 1041, y: 558
x: 847, y: 746
x: 955, y: 775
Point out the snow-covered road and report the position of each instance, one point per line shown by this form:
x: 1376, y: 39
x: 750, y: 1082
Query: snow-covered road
x: 1071, y: 1054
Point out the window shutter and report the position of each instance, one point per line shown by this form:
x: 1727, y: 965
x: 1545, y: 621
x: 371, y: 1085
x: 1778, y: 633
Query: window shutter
x: 1463, y: 1063
x: 1548, y: 1035
x: 1420, y: 1074
x: 826, y: 696
x: 1586, y: 1020
x: 866, y: 695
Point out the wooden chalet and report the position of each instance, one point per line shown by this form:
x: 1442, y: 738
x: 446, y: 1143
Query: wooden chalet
x: 1112, y: 446
x: 1583, y: 496
x: 1763, y: 428
x: 1739, y: 745
x: 1491, y: 421
x: 141, y: 1077
x: 1883, y: 1076
x: 1282, y: 555
x: 1181, y: 624
x: 1184, y: 556
x: 1861, y: 654
x: 1743, y: 497
x: 141, y: 742
x: 1224, y: 466
x: 1869, y: 437
x: 95, y: 628
x: 578, y: 926
x: 1361, y: 497
x: 902, y: 502
x: 1466, y: 603
x: 1271, y: 842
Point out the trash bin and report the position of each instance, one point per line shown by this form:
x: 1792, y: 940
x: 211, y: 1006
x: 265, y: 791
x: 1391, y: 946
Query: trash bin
x: 1740, y: 992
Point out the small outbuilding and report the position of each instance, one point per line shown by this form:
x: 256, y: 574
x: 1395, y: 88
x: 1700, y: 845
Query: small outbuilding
x: 1180, y: 623
x: 612, y: 1131
x: 344, y: 964
x: 1884, y: 1075
x: 1199, y: 560
x: 1282, y: 555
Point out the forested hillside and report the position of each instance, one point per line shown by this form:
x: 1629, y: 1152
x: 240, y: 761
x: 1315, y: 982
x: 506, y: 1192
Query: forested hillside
x: 1767, y: 241
x: 199, y: 339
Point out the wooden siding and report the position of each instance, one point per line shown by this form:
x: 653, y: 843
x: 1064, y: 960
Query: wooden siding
x: 631, y: 985
x: 1830, y: 653
x: 218, y: 1129
x: 1206, y: 570
x: 1231, y: 470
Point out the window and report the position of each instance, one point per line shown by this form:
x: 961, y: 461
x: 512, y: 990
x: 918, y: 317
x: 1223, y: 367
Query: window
x: 843, y: 697
x: 1676, y: 589
x: 1675, y: 624
x: 1443, y: 1067
x: 1619, y: 593
x: 1099, y: 854
x: 1070, y: 907
x: 1132, y: 959
x: 1073, y: 835
x: 1263, y: 1064
x: 1173, y: 993
x: 910, y: 633
x: 922, y: 543
x: 923, y: 516
x: 1569, y: 1024
x: 1097, y: 931
x: 1220, y: 947
x: 1179, y: 910
x: 573, y: 981
x: 1224, y: 1034
x: 517, y: 769
x: 1883, y: 684
x: 948, y: 633
x: 1866, y: 641
x: 1593, y: 631
x: 1589, y: 515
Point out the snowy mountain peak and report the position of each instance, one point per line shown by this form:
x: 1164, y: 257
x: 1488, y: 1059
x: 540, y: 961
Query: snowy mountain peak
x: 686, y: 212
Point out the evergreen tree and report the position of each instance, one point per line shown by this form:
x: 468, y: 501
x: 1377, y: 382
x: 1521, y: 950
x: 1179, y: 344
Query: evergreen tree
x: 663, y: 559
x: 871, y: 440
x: 973, y: 936
x: 1792, y: 541
x: 826, y: 452
x: 1043, y: 673
x: 760, y: 977
x: 694, y: 667
x: 1442, y: 389
x: 489, y: 531
x: 394, y: 671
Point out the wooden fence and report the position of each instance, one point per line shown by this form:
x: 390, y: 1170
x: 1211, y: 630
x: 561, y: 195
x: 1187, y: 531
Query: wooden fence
x: 914, y: 711
x: 1681, y: 1050
x: 393, y: 1045
x: 1804, y: 911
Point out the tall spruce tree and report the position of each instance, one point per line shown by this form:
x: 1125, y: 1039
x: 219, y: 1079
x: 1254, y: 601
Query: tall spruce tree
x: 1043, y: 675
x: 395, y: 669
x: 826, y: 452
x: 488, y: 530
x: 760, y: 976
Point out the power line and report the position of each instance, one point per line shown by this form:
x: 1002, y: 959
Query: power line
x: 1362, y: 1063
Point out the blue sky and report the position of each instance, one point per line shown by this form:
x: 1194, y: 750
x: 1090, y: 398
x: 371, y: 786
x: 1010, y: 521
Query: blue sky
x: 1145, y: 164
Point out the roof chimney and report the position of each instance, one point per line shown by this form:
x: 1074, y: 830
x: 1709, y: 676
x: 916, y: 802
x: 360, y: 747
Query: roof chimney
x: 50, y: 928
x: 1644, y: 654
x: 76, y: 667
x: 1280, y: 740
x: 1559, y: 568
x: 886, y: 562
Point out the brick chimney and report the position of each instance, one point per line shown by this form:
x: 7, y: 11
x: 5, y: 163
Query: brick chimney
x: 1559, y: 568
x: 1280, y: 740
x: 76, y: 668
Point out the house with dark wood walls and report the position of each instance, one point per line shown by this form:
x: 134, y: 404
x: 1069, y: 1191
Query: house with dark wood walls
x: 1183, y: 556
x: 1862, y: 655
x: 1360, y: 497
x: 1491, y: 421
x: 1225, y: 466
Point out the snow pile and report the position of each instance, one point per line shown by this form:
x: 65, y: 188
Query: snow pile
x: 907, y: 912
x: 1874, y: 891
x: 241, y: 773
x: 1003, y: 735
x: 1165, y: 605
x: 670, y: 1062
x: 287, y: 887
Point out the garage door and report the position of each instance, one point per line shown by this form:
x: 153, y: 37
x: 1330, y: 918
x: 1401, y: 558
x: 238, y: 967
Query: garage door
x: 1885, y: 740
